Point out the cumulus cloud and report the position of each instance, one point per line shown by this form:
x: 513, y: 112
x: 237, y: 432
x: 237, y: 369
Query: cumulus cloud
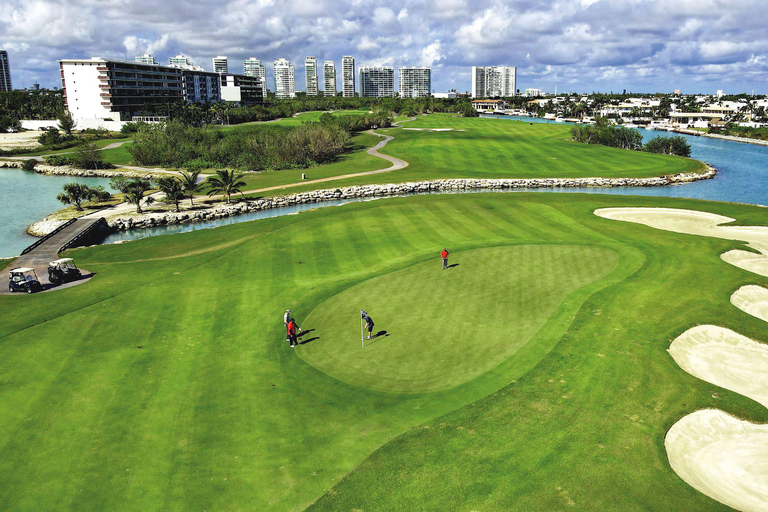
x: 586, y: 45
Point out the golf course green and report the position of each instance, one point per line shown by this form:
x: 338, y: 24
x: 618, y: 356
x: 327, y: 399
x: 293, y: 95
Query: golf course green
x: 532, y: 376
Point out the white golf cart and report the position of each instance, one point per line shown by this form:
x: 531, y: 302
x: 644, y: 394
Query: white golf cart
x: 62, y: 271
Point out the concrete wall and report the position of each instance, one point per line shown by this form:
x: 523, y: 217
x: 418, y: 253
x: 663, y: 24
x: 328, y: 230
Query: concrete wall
x: 32, y: 124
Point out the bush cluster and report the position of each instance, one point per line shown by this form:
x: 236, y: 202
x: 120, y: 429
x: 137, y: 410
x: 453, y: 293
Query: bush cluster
x: 675, y: 145
x: 607, y: 135
x: 249, y: 148
x: 87, y: 157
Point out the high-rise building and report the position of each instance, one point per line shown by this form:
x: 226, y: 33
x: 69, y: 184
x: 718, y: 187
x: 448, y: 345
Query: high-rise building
x: 181, y: 61
x: 377, y: 81
x: 285, y: 79
x: 146, y: 59
x: 5, y: 72
x: 415, y: 82
x: 494, y: 81
x: 200, y: 86
x: 329, y: 78
x: 348, y: 76
x: 220, y: 64
x: 310, y: 75
x: 254, y: 68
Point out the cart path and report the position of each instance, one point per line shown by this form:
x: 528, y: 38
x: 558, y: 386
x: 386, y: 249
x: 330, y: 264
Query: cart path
x: 40, y: 158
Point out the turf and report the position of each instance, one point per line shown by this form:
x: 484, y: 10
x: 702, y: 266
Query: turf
x: 490, y: 327
x: 165, y: 382
x: 99, y: 144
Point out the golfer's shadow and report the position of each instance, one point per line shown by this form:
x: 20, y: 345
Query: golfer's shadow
x: 452, y: 265
x: 376, y: 337
x: 309, y: 340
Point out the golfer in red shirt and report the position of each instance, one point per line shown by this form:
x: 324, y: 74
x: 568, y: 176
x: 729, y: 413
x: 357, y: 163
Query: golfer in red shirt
x: 292, y: 332
x: 444, y: 255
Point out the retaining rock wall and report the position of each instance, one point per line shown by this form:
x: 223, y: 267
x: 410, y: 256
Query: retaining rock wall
x: 120, y: 223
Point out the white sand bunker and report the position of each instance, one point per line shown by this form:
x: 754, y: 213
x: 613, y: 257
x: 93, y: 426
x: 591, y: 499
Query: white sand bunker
x: 725, y: 358
x: 722, y: 457
x: 691, y: 222
x: 753, y: 300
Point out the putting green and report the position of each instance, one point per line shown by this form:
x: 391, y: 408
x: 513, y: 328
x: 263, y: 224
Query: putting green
x: 514, y: 289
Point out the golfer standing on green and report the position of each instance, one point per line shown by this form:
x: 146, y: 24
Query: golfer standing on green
x: 444, y: 255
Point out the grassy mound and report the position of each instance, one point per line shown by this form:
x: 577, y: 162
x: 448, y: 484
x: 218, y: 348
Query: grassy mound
x: 165, y: 381
x: 445, y: 328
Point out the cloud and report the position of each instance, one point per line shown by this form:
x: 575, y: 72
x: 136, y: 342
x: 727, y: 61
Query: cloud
x: 586, y: 44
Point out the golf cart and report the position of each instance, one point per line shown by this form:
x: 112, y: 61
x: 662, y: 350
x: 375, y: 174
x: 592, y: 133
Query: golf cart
x: 24, y: 280
x: 63, y: 270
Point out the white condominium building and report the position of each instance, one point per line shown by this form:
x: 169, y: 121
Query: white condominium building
x: 494, y: 81
x: 285, y: 79
x: 348, y: 76
x: 146, y: 59
x: 377, y: 81
x: 415, y: 82
x: 329, y: 78
x: 310, y: 76
x: 220, y: 64
x: 254, y: 68
x: 181, y: 61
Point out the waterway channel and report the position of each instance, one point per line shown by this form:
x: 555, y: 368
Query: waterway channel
x: 742, y: 178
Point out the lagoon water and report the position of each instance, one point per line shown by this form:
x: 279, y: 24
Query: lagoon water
x: 742, y: 178
x: 25, y: 198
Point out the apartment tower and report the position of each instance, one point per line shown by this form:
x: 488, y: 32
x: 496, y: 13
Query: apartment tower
x: 329, y: 78
x: 220, y: 64
x: 415, y: 82
x: 348, y: 76
x: 285, y: 79
x: 377, y: 81
x: 254, y: 68
x: 146, y: 59
x: 494, y: 81
x: 5, y: 72
x: 310, y: 76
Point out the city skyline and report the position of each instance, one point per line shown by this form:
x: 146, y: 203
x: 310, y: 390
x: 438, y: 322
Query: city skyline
x: 644, y: 45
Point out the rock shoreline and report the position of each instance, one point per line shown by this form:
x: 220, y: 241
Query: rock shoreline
x: 133, y: 221
x: 65, y: 170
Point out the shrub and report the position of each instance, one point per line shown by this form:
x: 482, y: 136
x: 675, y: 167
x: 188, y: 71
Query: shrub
x: 606, y: 135
x: 132, y: 127
x: 675, y: 145
x: 58, y: 160
x: 89, y: 157
x: 29, y: 164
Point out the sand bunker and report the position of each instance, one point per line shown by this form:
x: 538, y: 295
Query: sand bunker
x: 19, y: 140
x: 725, y: 358
x: 753, y: 300
x: 721, y: 456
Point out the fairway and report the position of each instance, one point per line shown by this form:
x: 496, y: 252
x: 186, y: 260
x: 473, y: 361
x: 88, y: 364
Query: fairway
x: 506, y: 294
x: 165, y: 382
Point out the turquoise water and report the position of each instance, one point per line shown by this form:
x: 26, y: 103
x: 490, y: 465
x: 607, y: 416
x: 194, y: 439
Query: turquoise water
x: 742, y: 172
x: 25, y: 198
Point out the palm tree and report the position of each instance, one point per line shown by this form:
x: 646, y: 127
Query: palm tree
x: 173, y: 189
x: 135, y: 192
x: 226, y: 182
x: 76, y: 194
x: 190, y: 185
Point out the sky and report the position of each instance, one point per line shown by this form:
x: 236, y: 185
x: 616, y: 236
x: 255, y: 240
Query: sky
x: 697, y: 46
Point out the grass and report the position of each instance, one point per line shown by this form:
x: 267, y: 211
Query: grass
x: 99, y: 144
x: 118, y: 156
x: 70, y: 212
x: 165, y: 381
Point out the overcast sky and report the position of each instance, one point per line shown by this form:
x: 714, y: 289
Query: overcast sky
x: 576, y: 45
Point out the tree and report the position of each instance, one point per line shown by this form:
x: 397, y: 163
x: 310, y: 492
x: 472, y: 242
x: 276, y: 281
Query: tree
x: 120, y: 183
x: 76, y: 194
x: 66, y: 121
x: 226, y: 182
x: 190, y: 185
x: 676, y: 145
x: 173, y: 189
x: 135, y: 192
x: 89, y: 157
x: 29, y: 164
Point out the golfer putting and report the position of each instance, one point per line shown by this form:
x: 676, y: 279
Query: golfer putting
x: 366, y: 323
x: 444, y: 255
